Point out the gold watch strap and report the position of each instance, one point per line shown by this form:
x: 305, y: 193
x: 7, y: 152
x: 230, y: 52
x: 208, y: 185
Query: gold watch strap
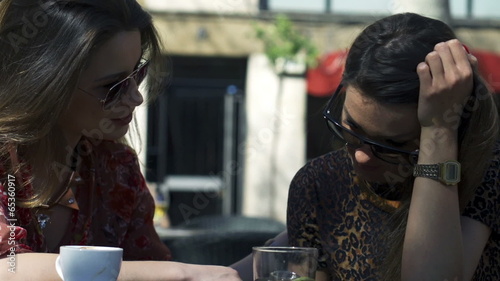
x: 447, y: 172
x: 427, y: 171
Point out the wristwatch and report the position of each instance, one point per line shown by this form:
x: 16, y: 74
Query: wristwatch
x: 447, y: 172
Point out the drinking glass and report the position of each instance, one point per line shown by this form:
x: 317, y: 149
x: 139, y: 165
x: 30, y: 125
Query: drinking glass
x: 284, y: 263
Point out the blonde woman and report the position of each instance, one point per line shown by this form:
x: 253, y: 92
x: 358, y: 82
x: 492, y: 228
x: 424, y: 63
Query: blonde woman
x: 414, y: 193
x: 69, y: 77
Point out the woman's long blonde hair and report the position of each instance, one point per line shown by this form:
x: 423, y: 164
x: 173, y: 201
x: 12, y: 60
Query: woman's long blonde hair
x: 382, y: 64
x: 44, y: 47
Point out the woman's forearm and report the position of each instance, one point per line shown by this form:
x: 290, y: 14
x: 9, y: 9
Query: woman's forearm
x: 433, y: 248
x: 41, y: 267
x: 29, y: 266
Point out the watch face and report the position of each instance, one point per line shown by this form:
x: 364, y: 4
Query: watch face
x: 451, y: 172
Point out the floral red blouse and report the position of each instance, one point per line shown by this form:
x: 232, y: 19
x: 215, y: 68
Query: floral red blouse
x: 115, y: 208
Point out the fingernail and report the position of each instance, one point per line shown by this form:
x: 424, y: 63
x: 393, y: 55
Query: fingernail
x: 422, y: 65
x: 466, y: 48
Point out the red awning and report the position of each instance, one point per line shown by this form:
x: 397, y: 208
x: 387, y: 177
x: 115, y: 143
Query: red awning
x: 324, y: 79
x: 489, y: 67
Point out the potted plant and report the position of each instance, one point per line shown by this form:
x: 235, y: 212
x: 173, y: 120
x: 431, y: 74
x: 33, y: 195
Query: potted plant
x: 287, y: 49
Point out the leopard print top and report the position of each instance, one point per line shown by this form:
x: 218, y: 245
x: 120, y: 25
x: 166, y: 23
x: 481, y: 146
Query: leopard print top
x: 329, y: 210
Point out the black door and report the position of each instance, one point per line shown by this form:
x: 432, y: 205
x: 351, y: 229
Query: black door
x: 188, y: 136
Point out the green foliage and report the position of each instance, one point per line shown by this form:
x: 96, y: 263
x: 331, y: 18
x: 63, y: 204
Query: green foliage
x: 281, y: 40
x: 303, y: 279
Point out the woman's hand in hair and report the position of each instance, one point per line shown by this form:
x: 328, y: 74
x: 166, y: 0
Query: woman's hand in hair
x: 446, y: 82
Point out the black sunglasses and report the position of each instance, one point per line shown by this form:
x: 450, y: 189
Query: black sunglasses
x: 119, y: 89
x: 332, y: 114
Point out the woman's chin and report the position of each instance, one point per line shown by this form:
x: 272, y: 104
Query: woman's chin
x: 117, y: 134
x: 370, y: 177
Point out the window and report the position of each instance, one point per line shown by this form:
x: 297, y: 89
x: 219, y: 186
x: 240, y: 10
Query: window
x: 460, y: 9
x: 475, y: 9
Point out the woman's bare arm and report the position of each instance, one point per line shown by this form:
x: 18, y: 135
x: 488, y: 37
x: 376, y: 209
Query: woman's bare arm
x: 436, y: 246
x: 41, y: 267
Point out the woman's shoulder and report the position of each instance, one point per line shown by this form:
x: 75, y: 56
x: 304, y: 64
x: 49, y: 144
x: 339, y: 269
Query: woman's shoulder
x: 493, y: 171
x: 491, y: 180
x: 485, y: 205
x: 114, y: 164
x: 334, y: 161
x: 496, y: 151
x: 324, y: 169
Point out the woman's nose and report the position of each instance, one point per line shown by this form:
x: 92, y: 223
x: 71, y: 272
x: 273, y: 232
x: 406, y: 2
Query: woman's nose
x: 134, y: 96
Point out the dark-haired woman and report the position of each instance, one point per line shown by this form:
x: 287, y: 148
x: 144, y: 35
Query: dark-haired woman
x: 415, y: 192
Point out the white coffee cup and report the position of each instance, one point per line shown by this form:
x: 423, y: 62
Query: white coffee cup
x: 89, y: 263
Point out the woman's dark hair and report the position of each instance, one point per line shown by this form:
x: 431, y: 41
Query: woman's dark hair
x: 382, y: 61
